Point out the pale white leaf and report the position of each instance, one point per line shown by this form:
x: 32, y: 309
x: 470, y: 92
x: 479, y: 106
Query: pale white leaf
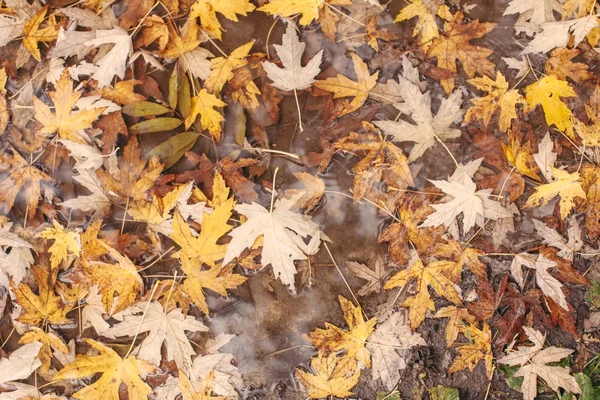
x: 21, y: 363
x: 283, y: 231
x: 161, y: 327
x: 546, y: 157
x: 292, y: 76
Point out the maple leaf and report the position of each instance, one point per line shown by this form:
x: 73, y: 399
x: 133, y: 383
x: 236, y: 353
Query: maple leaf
x: 547, y: 93
x: 292, y: 76
x: 133, y: 178
x: 50, y: 341
x: 162, y: 326
x: 64, y: 120
x: 207, y: 11
x: 454, y: 46
x: 429, y: 128
x: 120, y: 279
x: 551, y: 237
x: 353, y: 341
x: 388, y: 345
x: 215, y: 279
x: 549, y: 284
x: 535, y: 11
x: 283, y: 232
x: 221, y: 68
x: 309, y: 9
x: 203, y: 105
x: 533, y: 361
x: 520, y: 155
x: 457, y: 317
x: 426, y: 28
x: 64, y: 240
x: 205, y: 388
x: 223, y: 365
x: 434, y: 275
x: 23, y: 176
x: 185, y: 48
x: 311, y: 195
x: 333, y: 376
x: 577, y: 8
x: 15, y: 257
x: 480, y: 348
x: 383, y: 162
x: 466, y: 199
x: 33, y: 34
x: 21, y: 363
x: 560, y: 64
x: 566, y: 185
x: 204, y: 247
x: 499, y: 97
x: 45, y: 307
x: 114, y: 369
x: 342, y: 86
x: 374, y: 277
x: 122, y: 92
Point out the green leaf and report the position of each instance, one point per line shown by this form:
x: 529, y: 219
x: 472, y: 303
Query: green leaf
x: 144, y: 109
x: 174, y: 82
x: 511, y: 381
x: 441, y: 392
x: 588, y: 391
x: 184, y: 98
x: 156, y: 125
x: 173, y: 149
x: 593, y: 294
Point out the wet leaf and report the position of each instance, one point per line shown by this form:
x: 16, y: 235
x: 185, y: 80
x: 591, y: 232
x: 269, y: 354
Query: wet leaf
x: 174, y: 148
x: 144, y: 109
x: 155, y: 125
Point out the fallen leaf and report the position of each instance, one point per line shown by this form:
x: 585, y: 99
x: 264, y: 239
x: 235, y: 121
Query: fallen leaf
x: 114, y: 369
x: 332, y: 376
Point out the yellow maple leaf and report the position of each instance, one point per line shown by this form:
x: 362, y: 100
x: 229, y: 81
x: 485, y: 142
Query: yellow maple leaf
x: 120, y: 279
x: 221, y: 68
x: 220, y: 190
x: 457, y: 315
x: 577, y: 8
x: 426, y: 28
x: 547, y: 93
x: 333, y: 376
x: 64, y: 240
x: 341, y: 86
x: 520, y: 156
x: 215, y: 278
x: 498, y: 97
x: 49, y: 342
x: 154, y: 30
x: 207, y: 11
x: 179, y: 45
x: 122, y: 92
x: 205, y: 388
x: 23, y: 175
x: 478, y: 348
x: 204, y: 247
x: 433, y: 275
x: 64, y: 120
x: 169, y: 293
x: 309, y: 9
x: 566, y: 185
x: 203, y: 105
x: 590, y: 134
x: 158, y: 210
x: 353, y: 341
x: 114, y: 369
x: 134, y: 177
x: 45, y: 307
x: 33, y: 34
x: 454, y: 46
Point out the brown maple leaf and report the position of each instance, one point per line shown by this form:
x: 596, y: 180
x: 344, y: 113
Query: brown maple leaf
x: 383, y: 161
x: 22, y: 176
x: 135, y: 176
x: 454, y: 46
